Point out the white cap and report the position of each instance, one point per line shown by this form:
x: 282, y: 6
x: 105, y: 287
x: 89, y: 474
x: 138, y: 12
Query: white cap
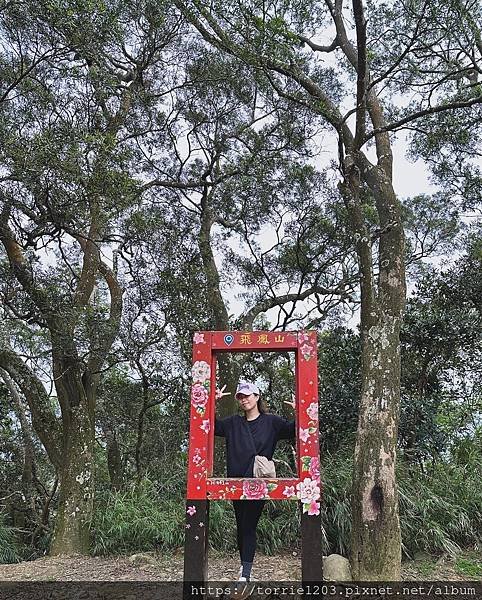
x: 246, y: 388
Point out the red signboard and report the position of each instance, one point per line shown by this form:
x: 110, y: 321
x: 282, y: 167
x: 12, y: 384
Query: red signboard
x: 200, y: 483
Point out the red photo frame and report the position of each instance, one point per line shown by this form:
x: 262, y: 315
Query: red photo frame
x: 200, y: 484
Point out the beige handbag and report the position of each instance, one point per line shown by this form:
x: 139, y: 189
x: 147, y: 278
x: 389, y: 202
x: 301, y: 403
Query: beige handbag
x: 264, y: 467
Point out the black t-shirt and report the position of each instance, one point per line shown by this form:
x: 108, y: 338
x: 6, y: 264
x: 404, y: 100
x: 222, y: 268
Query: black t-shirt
x: 266, y: 430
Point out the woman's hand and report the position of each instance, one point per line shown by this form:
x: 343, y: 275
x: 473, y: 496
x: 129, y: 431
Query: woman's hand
x: 220, y: 393
x: 292, y: 403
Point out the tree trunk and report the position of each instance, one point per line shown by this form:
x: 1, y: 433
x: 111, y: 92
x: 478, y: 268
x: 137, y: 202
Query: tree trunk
x: 376, y: 539
x: 76, y: 472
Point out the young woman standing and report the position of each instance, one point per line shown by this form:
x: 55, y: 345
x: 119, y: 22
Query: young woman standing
x: 256, y: 432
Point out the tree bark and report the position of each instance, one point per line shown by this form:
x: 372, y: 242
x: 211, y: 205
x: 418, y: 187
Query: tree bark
x: 376, y: 538
x: 76, y: 474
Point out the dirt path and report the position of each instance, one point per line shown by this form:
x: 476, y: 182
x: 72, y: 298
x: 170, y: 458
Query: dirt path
x: 156, y: 567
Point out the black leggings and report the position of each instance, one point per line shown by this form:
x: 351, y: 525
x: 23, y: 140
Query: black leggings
x: 247, y: 514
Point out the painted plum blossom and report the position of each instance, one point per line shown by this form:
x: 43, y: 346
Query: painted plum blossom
x: 289, y: 491
x: 254, y: 489
x: 313, y: 508
x: 191, y: 510
x: 205, y: 426
x: 312, y: 411
x: 201, y: 371
x: 308, y: 490
x: 196, y: 459
x: 304, y: 434
x: 199, y: 338
x: 303, y: 337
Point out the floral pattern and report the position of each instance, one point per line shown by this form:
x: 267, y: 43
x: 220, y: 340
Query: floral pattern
x: 199, y: 338
x: 254, y: 489
x: 289, y: 491
x: 199, y: 395
x: 205, y: 426
x: 314, y: 468
x: 201, y: 371
x: 191, y: 510
x: 312, y: 411
x: 308, y: 490
x: 313, y: 508
x: 304, y: 434
x: 306, y: 345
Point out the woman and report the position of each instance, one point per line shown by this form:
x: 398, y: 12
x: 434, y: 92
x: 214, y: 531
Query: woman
x: 254, y: 433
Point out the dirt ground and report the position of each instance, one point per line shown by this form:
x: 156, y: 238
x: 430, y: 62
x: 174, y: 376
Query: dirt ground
x: 157, y: 567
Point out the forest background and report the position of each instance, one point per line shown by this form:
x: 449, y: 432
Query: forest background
x: 169, y: 167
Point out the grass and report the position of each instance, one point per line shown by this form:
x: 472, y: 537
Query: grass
x: 469, y: 566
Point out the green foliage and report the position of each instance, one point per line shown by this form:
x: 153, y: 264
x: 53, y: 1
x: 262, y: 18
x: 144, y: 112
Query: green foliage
x: 441, y: 511
x: 9, y: 547
x: 137, y: 519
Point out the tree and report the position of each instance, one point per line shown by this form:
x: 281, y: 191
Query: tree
x: 65, y: 151
x: 433, y: 50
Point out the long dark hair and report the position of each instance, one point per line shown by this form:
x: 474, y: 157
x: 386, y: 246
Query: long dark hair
x: 262, y: 406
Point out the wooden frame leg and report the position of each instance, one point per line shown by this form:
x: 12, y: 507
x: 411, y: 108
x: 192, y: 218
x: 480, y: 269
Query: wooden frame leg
x: 196, y: 547
x: 311, y: 554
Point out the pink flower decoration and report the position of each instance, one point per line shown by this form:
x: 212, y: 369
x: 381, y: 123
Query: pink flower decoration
x: 314, y: 508
x: 312, y: 411
x: 255, y: 489
x: 315, y: 467
x: 303, y: 337
x: 196, y: 459
x: 199, y: 338
x: 308, y: 490
x: 289, y: 491
x: 199, y: 395
x: 304, y: 434
x: 306, y: 349
x: 205, y: 425
x: 191, y: 510
x: 201, y: 371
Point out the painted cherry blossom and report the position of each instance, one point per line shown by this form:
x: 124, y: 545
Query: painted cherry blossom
x: 312, y: 411
x: 205, y: 425
x: 315, y: 467
x: 303, y: 337
x: 308, y: 490
x: 191, y: 510
x: 289, y: 491
x: 199, y: 395
x: 196, y: 459
x: 199, y: 338
x: 313, y: 508
x: 254, y: 489
x: 201, y: 371
x: 304, y: 434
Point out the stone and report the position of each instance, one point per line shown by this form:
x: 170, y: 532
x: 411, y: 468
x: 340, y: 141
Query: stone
x: 336, y: 568
x: 142, y: 559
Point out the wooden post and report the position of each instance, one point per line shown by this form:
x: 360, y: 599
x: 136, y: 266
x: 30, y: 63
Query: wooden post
x: 196, y: 547
x: 311, y: 555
